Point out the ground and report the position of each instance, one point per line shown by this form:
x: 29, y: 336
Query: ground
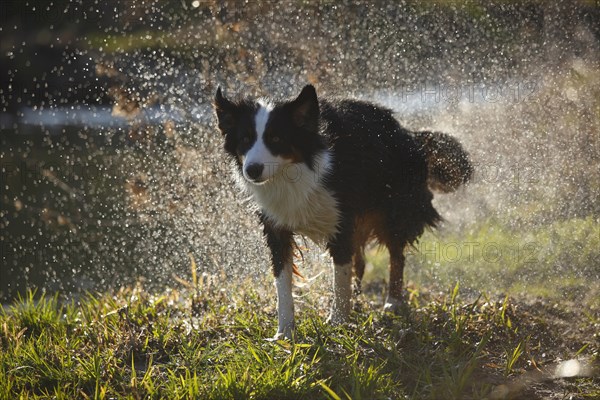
x: 209, y: 341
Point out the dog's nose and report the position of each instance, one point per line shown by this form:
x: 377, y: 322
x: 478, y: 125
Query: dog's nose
x: 254, y: 171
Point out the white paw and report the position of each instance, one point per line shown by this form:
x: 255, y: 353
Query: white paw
x: 393, y: 305
x: 337, y: 317
x: 285, y: 333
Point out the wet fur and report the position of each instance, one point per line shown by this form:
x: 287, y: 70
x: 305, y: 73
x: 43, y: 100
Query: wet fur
x: 363, y: 177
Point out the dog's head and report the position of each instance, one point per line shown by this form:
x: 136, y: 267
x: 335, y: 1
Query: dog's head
x: 266, y: 137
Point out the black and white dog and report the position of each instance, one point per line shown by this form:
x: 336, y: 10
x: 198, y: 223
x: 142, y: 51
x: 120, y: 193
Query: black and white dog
x: 341, y: 172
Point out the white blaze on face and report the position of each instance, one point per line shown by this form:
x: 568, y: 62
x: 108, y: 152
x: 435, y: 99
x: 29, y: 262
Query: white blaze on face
x: 259, y: 153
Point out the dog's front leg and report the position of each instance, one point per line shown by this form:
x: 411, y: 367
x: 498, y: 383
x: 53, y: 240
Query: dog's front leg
x: 285, y: 303
x: 342, y: 293
x: 280, y: 243
x: 341, y: 251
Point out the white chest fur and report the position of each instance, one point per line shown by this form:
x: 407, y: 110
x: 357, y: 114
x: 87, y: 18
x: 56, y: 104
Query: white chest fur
x: 297, y: 199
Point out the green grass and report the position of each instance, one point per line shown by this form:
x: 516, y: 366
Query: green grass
x: 536, y: 308
x: 555, y: 261
x: 210, y: 344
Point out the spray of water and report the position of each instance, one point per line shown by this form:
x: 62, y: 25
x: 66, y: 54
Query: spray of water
x: 113, y: 168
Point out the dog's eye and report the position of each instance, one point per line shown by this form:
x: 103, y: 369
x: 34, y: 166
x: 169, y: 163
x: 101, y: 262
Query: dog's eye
x: 246, y: 139
x: 275, y: 139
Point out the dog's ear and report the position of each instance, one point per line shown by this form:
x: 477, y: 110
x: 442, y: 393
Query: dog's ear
x: 305, y: 109
x: 226, y: 111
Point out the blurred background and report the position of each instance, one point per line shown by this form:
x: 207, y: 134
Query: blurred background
x: 112, y: 173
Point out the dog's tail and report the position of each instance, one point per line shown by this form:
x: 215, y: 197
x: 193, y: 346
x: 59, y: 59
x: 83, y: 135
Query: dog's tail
x: 448, y: 162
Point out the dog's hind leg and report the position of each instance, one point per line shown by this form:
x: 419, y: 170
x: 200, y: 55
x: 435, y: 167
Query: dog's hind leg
x: 404, y: 227
x: 394, y: 301
x: 358, y: 264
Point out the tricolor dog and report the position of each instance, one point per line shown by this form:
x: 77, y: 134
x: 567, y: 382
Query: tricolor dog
x: 341, y: 172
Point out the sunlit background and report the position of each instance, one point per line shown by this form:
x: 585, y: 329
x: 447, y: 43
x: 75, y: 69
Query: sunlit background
x: 112, y: 172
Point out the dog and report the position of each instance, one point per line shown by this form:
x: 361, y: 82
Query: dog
x: 341, y: 172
